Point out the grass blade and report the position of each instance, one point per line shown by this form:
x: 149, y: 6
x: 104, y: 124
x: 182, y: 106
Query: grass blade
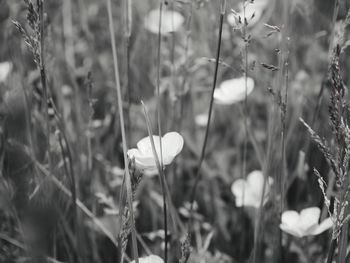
x: 122, y: 127
x: 162, y: 181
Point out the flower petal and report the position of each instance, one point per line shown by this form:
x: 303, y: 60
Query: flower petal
x: 172, y: 144
x: 243, y: 194
x: 253, y: 11
x: 309, y: 218
x: 171, y: 21
x: 325, y: 225
x: 142, y: 161
x: 237, y: 187
x: 290, y: 223
x: 233, y: 90
x: 145, y: 146
x: 290, y: 218
x: 150, y: 259
x: 5, y: 69
x: 291, y: 230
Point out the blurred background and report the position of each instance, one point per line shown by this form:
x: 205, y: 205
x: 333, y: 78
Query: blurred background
x: 285, y: 46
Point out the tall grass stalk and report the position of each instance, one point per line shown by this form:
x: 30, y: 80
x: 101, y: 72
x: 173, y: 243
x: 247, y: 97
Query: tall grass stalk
x: 67, y: 155
x: 245, y: 107
x: 79, y: 204
x: 127, y: 36
x: 283, y: 85
x: 332, y: 180
x: 122, y: 127
x: 202, y: 156
x: 280, y: 93
x: 43, y: 78
x: 162, y: 181
x: 68, y: 32
x: 186, y: 74
x: 158, y: 80
x: 160, y: 168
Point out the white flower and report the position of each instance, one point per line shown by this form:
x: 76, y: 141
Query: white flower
x: 233, y: 90
x: 171, y: 21
x: 249, y: 192
x: 202, y: 119
x: 305, y: 223
x: 253, y: 13
x: 172, y: 144
x: 150, y: 259
x: 5, y: 69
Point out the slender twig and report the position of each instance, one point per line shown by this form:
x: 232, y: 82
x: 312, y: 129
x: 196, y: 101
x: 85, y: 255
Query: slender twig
x: 122, y: 127
x: 202, y: 156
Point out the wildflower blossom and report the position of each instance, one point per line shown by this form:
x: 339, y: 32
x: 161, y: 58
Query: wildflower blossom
x: 171, y: 21
x: 172, y: 144
x: 304, y: 223
x: 253, y: 13
x: 249, y: 192
x: 5, y: 69
x: 233, y: 91
x: 150, y: 259
x: 202, y: 119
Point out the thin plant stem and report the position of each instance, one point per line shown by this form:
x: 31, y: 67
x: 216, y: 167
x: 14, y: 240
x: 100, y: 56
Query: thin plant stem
x: 127, y: 36
x: 67, y: 152
x: 43, y: 78
x: 245, y: 107
x: 68, y: 32
x: 202, y: 156
x: 284, y: 107
x: 160, y: 129
x: 331, y: 251
x: 122, y: 127
x: 158, y: 80
x: 162, y: 181
x: 183, y: 87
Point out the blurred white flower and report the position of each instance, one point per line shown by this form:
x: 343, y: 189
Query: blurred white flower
x: 233, y: 91
x: 202, y: 119
x: 249, y: 192
x: 150, y: 259
x: 305, y: 223
x: 172, y: 144
x: 253, y: 13
x: 171, y: 21
x: 5, y: 69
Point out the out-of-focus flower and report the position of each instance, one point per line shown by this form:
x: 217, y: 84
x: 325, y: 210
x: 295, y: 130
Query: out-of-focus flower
x: 5, y: 69
x: 171, y: 21
x: 202, y: 119
x: 253, y: 12
x: 172, y: 144
x: 304, y: 223
x: 150, y: 259
x: 249, y: 192
x: 233, y: 91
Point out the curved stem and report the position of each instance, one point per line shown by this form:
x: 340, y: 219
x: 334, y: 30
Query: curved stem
x: 122, y: 127
x: 202, y: 156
